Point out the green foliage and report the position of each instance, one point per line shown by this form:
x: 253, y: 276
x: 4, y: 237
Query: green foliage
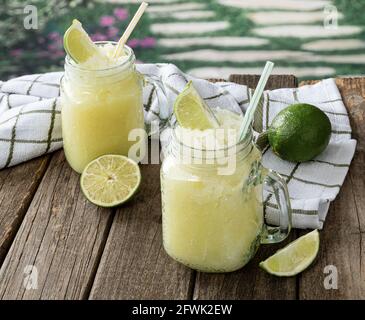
x: 12, y: 18
x: 353, y: 10
x: 41, y: 50
x: 240, y: 24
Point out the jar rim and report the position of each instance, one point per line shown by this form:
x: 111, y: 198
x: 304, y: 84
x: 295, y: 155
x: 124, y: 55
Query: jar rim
x: 241, y: 144
x: 69, y: 62
x: 201, y: 157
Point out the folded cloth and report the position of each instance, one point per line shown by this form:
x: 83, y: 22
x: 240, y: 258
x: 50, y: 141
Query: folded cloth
x: 30, y: 125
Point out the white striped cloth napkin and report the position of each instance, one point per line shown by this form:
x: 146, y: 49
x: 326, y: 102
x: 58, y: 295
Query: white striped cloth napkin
x: 30, y: 125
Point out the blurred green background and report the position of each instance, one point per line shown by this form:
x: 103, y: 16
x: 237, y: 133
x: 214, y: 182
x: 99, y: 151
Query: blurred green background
x: 251, y: 31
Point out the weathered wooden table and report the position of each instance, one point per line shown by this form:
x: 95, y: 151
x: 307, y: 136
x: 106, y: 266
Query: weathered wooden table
x: 81, y: 251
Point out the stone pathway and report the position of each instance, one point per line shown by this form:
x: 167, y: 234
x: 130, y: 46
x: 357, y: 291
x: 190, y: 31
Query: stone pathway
x: 176, y: 7
x: 184, y: 15
x: 176, y: 28
x: 276, y: 4
x: 305, y: 31
x: 262, y: 55
x: 239, y: 56
x: 212, y: 41
x: 285, y: 17
x: 334, y: 45
x: 225, y: 72
x: 139, y: 1
x: 188, y: 37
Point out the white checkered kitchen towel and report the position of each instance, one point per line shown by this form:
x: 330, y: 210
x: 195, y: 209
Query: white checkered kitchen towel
x: 30, y: 125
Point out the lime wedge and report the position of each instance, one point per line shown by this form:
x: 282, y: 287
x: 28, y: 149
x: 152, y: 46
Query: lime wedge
x: 110, y: 180
x: 192, y: 112
x: 78, y: 44
x: 294, y: 258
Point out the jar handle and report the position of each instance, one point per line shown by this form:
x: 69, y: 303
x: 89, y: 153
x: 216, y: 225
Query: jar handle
x: 280, y: 190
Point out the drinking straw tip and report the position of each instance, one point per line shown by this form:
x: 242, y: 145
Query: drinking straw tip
x: 247, y: 119
x: 130, y: 28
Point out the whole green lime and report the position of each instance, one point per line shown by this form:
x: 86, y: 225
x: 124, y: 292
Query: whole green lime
x: 299, y: 133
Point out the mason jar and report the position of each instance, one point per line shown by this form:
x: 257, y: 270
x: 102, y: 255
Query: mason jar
x: 100, y: 108
x: 212, y: 220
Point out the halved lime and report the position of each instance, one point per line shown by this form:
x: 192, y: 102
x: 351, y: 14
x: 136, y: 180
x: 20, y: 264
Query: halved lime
x: 192, y: 112
x: 295, y: 257
x: 78, y: 44
x: 110, y: 180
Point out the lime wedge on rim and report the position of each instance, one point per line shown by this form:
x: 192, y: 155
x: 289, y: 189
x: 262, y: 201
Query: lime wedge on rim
x: 78, y: 44
x: 110, y: 180
x: 295, y: 257
x: 192, y: 112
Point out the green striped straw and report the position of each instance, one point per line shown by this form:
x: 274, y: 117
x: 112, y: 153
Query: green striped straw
x: 247, y: 119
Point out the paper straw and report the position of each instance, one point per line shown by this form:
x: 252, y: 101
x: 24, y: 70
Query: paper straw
x: 122, y: 41
x: 247, y: 120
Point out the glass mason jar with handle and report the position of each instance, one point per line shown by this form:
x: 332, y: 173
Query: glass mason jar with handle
x: 100, y: 107
x: 214, y: 222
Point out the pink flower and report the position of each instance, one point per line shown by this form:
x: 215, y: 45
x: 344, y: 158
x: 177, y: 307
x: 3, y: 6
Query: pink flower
x: 133, y: 43
x: 148, y: 42
x: 112, y: 32
x: 58, y: 54
x: 58, y: 42
x: 54, y: 35
x: 98, y: 37
x: 16, y: 53
x: 52, y: 47
x: 121, y: 14
x: 106, y: 21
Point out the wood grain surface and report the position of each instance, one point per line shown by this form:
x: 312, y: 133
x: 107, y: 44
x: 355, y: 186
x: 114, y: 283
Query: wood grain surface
x: 62, y: 236
x: 134, y: 264
x: 84, y: 252
x: 342, y: 243
x: 17, y: 187
x: 275, y: 81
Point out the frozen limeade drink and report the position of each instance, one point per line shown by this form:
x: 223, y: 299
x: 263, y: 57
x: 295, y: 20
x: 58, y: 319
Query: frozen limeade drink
x: 101, y: 99
x: 212, y: 211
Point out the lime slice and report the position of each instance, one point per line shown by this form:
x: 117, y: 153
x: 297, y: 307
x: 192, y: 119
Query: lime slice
x: 110, y: 180
x: 78, y: 44
x: 192, y: 112
x: 295, y: 257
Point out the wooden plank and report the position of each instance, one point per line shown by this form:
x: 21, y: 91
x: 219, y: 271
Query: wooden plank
x: 342, y: 243
x: 353, y: 94
x: 275, y: 81
x: 134, y: 264
x: 341, y: 246
x: 62, y: 235
x: 17, y: 187
x: 250, y: 282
